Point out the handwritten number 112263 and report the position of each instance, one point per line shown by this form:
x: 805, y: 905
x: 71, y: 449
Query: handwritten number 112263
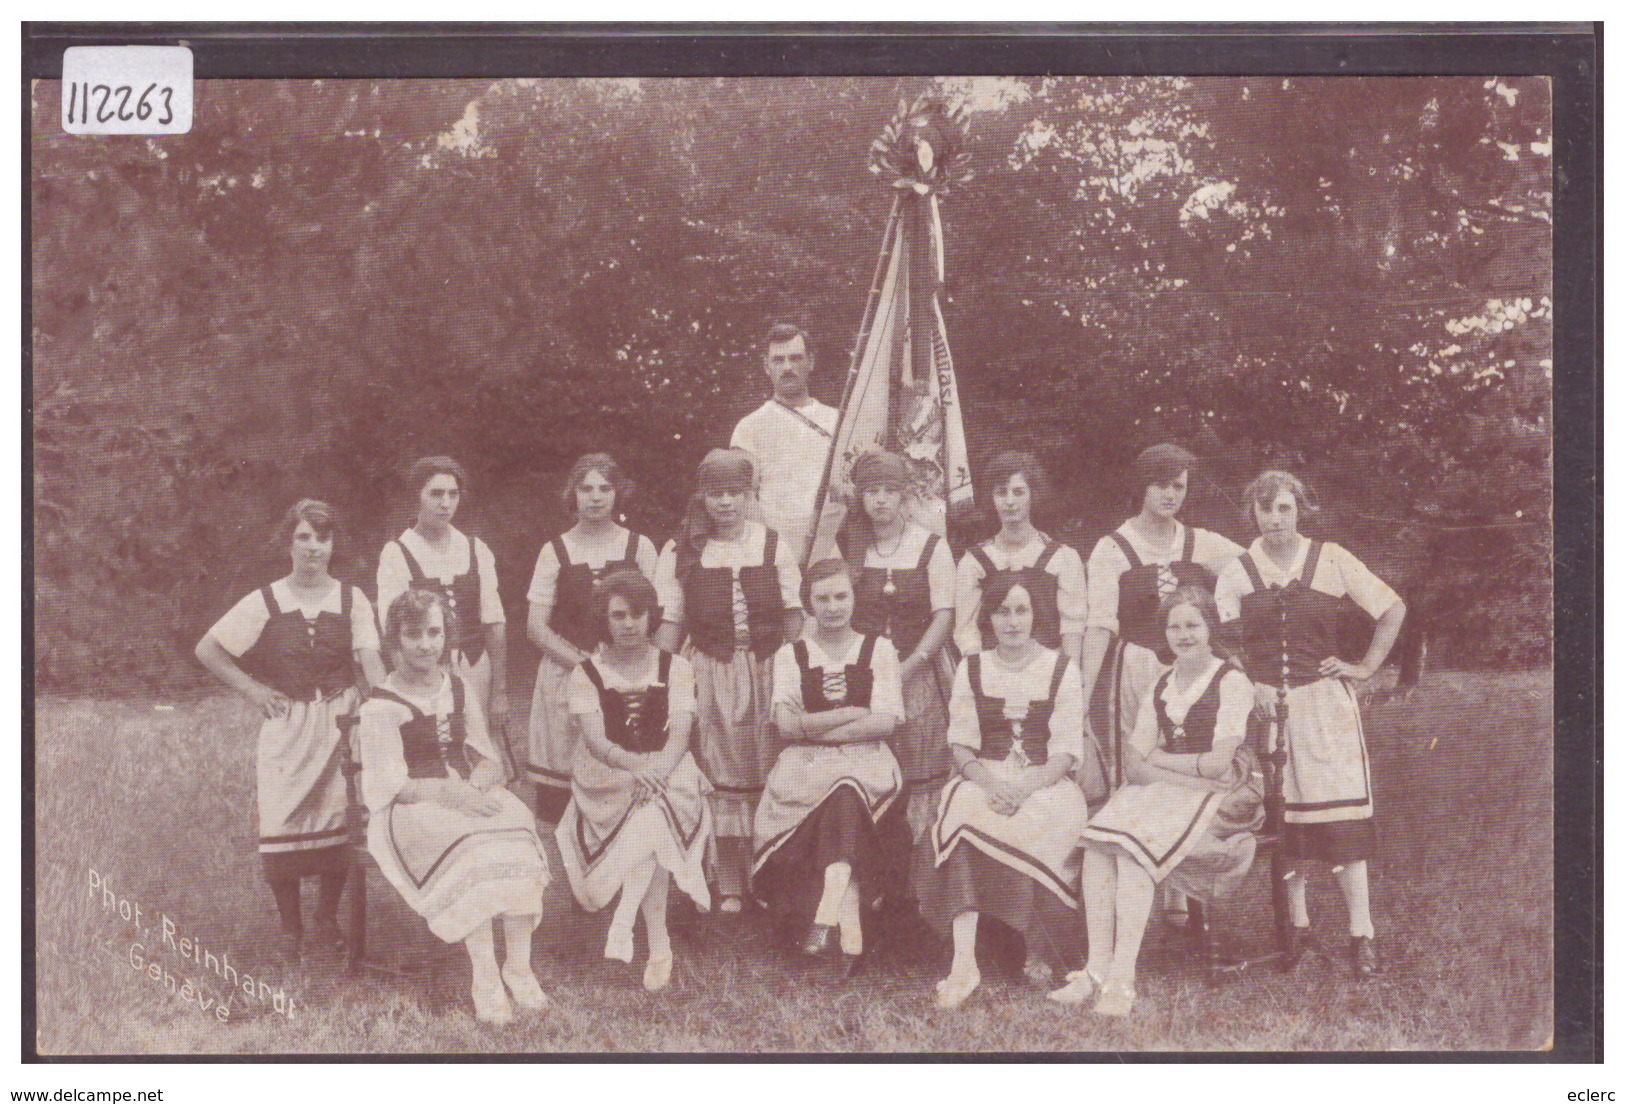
x: 115, y: 102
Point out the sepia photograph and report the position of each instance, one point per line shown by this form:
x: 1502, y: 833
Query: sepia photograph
x: 827, y: 564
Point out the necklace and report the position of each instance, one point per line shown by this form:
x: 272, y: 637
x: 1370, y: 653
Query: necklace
x: 890, y: 588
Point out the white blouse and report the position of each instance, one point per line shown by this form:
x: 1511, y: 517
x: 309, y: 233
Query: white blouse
x: 1235, y: 706
x: 886, y: 697
x: 747, y: 551
x: 1071, y: 595
x: 594, y: 553
x: 383, y: 761
x: 240, y: 627
x: 1020, y: 687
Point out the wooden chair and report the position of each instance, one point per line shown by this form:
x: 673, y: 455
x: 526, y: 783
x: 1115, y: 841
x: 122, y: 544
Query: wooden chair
x: 1271, y: 750
x: 361, y: 861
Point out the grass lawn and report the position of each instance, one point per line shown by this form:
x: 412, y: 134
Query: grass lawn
x: 157, y: 799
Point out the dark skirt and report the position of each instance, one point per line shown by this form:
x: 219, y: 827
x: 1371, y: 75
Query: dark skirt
x: 282, y: 866
x: 551, y: 800
x: 838, y: 830
x: 1341, y: 841
x: 969, y: 881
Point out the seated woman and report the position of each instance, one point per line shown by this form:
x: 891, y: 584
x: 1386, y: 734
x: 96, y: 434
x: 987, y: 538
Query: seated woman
x: 637, y: 819
x: 459, y: 848
x: 837, y: 696
x: 1005, y: 841
x: 1187, y: 815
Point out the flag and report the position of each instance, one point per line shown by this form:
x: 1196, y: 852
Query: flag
x: 901, y: 394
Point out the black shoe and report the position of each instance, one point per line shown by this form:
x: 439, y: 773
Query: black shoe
x: 1363, y: 956
x: 1301, y: 942
x: 854, y: 964
x: 291, y: 945
x: 326, y: 934
x: 819, y: 942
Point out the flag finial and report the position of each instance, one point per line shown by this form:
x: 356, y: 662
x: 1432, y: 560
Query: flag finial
x: 923, y: 147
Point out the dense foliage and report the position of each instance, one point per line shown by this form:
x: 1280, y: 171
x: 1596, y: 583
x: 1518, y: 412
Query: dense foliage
x: 325, y: 279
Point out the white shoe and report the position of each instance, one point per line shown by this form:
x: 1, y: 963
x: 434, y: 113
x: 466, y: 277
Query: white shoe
x: 527, y: 991
x: 1115, y: 1001
x: 491, y: 1005
x: 953, y: 990
x: 1081, y: 986
x: 657, y: 974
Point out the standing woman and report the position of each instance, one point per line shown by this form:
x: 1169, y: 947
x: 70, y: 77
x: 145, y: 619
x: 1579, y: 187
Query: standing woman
x: 435, y: 554
x: 1286, y: 591
x: 292, y: 649
x: 637, y: 819
x: 735, y: 589
x: 564, y: 621
x: 905, y: 593
x: 836, y: 697
x: 461, y: 850
x: 1005, y: 841
x: 1186, y: 815
x: 1131, y: 571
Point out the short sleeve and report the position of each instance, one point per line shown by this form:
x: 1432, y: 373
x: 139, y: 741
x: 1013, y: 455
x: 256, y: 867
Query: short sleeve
x: 680, y: 688
x: 940, y: 577
x: 887, y: 695
x: 1071, y: 592
x: 544, y: 578
x: 490, y: 600
x: 964, y: 728
x: 363, y: 623
x: 393, y: 577
x: 242, y: 624
x: 1231, y: 586
x: 645, y: 557
x: 1106, y: 566
x: 1369, y: 592
x: 787, y: 678
x: 1235, y: 707
x: 789, y: 573
x: 1066, y: 723
x: 1214, y: 550
x: 667, y: 589
x: 580, y: 697
x: 967, y: 604
x: 383, y: 762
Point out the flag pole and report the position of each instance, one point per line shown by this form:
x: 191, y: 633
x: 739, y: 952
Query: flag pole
x: 886, y: 239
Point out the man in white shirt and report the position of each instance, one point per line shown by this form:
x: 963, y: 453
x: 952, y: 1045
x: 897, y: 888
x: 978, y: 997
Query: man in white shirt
x: 789, y: 436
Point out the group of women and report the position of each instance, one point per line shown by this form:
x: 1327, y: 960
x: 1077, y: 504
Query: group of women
x: 1017, y: 739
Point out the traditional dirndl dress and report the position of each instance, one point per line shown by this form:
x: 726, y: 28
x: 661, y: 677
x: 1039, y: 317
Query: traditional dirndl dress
x: 607, y: 831
x: 470, y: 593
x: 563, y: 580
x: 1288, y: 625
x: 898, y: 601
x: 733, y: 602
x: 824, y: 803
x: 1127, y: 584
x: 1200, y: 841
x: 1023, y: 870
x: 306, y: 654
x: 455, y: 870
